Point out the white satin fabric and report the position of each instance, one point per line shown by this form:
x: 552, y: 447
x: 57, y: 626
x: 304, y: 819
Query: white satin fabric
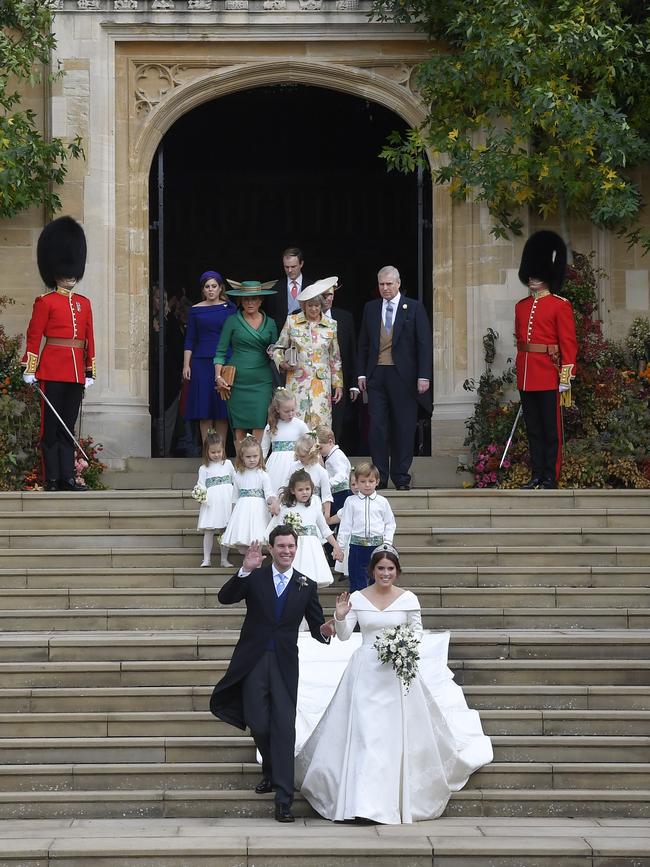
x: 364, y: 746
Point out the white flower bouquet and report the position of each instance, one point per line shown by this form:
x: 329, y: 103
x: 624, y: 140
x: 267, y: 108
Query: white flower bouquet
x: 399, y: 646
x: 199, y: 493
x: 292, y: 519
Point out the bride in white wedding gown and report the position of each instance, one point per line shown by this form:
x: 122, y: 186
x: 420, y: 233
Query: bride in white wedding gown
x: 376, y: 751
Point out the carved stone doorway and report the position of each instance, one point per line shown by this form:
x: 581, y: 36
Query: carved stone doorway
x: 253, y: 172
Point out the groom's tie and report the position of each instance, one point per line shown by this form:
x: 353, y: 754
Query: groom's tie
x: 282, y: 580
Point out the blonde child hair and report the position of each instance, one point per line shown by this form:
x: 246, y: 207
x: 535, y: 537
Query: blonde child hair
x: 280, y: 395
x: 287, y: 497
x: 325, y: 434
x: 365, y: 468
x: 248, y: 442
x: 307, y: 449
x: 212, y: 439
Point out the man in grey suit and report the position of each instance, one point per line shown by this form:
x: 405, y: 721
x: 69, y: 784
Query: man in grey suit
x: 395, y: 365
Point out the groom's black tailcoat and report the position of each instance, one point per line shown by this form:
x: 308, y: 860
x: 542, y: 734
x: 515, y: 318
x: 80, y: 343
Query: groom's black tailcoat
x: 260, y: 627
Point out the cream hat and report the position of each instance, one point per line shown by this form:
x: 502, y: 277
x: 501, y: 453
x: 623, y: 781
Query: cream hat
x: 317, y: 288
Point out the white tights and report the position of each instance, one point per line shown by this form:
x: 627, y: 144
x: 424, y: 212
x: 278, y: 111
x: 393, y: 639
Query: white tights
x: 208, y: 539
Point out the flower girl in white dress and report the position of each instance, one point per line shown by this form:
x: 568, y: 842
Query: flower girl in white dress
x: 381, y: 751
x: 216, y: 475
x: 307, y: 457
x: 301, y: 511
x: 253, y: 497
x: 280, y: 435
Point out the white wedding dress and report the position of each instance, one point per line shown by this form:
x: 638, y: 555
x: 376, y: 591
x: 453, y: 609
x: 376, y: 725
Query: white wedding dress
x: 366, y: 747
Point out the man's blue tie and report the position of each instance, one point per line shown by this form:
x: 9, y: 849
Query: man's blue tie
x: 389, y: 316
x: 282, y: 580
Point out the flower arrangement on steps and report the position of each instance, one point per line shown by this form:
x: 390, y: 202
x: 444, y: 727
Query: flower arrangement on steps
x: 606, y: 430
x: 20, y: 416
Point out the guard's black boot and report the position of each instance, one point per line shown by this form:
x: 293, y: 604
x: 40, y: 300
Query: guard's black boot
x: 533, y: 484
x: 51, y: 485
x: 71, y: 485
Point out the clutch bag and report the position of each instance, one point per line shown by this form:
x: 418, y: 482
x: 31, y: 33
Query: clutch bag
x: 291, y: 356
x: 228, y: 372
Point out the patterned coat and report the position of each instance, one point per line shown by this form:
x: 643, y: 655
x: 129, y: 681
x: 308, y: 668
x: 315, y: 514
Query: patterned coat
x: 318, y: 371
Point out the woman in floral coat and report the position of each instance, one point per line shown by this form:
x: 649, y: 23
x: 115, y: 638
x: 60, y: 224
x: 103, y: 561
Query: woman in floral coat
x: 315, y: 378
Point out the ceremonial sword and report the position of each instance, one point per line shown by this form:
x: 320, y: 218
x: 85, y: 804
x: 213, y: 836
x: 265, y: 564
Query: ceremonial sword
x: 512, y: 433
x: 61, y: 422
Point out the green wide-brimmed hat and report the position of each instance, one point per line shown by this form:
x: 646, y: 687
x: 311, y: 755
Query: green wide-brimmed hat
x: 251, y: 288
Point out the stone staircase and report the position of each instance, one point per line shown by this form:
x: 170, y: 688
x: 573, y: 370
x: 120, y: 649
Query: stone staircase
x: 111, y: 639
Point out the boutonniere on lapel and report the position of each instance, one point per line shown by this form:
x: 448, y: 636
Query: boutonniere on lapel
x: 405, y: 307
x: 301, y: 581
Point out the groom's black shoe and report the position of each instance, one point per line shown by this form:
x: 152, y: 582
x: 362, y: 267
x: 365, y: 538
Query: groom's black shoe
x: 263, y: 787
x: 283, y: 813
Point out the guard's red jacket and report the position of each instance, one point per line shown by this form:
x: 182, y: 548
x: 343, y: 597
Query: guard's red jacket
x: 545, y: 319
x: 60, y: 314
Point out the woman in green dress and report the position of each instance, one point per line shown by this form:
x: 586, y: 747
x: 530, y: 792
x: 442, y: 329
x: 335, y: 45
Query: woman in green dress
x: 248, y: 334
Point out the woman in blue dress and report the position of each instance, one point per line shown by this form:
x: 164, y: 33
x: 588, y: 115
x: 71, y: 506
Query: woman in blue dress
x: 204, y: 326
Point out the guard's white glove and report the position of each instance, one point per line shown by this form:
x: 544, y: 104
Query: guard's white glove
x: 89, y: 382
x: 29, y: 378
x: 564, y: 388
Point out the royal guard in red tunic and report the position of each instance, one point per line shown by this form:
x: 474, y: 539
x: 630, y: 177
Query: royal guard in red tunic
x: 60, y: 352
x: 546, y: 353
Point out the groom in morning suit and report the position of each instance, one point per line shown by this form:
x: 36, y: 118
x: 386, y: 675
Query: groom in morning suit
x: 260, y: 688
x: 395, y: 363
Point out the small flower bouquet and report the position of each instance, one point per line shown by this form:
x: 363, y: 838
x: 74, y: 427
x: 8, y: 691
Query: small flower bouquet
x: 292, y: 519
x: 199, y: 493
x: 399, y: 646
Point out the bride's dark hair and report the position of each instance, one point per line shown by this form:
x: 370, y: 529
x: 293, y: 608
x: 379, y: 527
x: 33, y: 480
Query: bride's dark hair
x: 381, y: 555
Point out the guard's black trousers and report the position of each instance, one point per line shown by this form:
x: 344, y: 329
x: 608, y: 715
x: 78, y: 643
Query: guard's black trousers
x: 57, y: 448
x: 544, y: 428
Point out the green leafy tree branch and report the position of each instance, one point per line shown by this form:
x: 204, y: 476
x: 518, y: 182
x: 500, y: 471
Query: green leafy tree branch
x: 31, y: 165
x: 539, y: 104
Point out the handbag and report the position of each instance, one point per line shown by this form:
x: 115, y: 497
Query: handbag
x: 291, y: 356
x: 228, y: 372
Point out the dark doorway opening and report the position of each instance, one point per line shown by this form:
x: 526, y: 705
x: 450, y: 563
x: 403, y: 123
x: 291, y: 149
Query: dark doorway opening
x: 245, y: 176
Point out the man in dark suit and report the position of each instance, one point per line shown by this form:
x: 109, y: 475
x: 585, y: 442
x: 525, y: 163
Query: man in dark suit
x: 395, y: 363
x: 260, y: 688
x: 348, y: 346
x: 283, y: 303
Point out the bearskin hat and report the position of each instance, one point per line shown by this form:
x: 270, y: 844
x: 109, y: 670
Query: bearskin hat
x: 61, y: 251
x: 544, y: 258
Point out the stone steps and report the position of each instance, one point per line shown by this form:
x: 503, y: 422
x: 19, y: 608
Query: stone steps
x: 147, y: 619
x: 447, y: 842
x: 484, y: 555
x: 218, y: 644
x: 182, y: 698
x: 477, y: 672
x: 413, y: 538
x: 220, y: 776
x: 427, y: 579
x: 111, y: 639
x: 234, y: 748
x: 243, y: 803
x: 185, y: 517
x: 94, y: 598
x: 592, y: 723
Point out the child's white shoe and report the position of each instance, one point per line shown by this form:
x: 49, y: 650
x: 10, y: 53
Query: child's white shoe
x: 206, y: 563
x: 225, y: 562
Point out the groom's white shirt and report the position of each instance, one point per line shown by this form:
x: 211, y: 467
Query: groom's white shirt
x: 288, y: 573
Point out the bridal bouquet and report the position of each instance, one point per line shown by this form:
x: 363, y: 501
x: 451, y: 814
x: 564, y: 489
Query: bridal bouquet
x: 199, y: 493
x: 291, y: 519
x: 400, y: 646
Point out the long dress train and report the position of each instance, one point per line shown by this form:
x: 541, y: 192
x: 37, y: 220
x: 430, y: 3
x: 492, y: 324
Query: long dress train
x: 378, y: 751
